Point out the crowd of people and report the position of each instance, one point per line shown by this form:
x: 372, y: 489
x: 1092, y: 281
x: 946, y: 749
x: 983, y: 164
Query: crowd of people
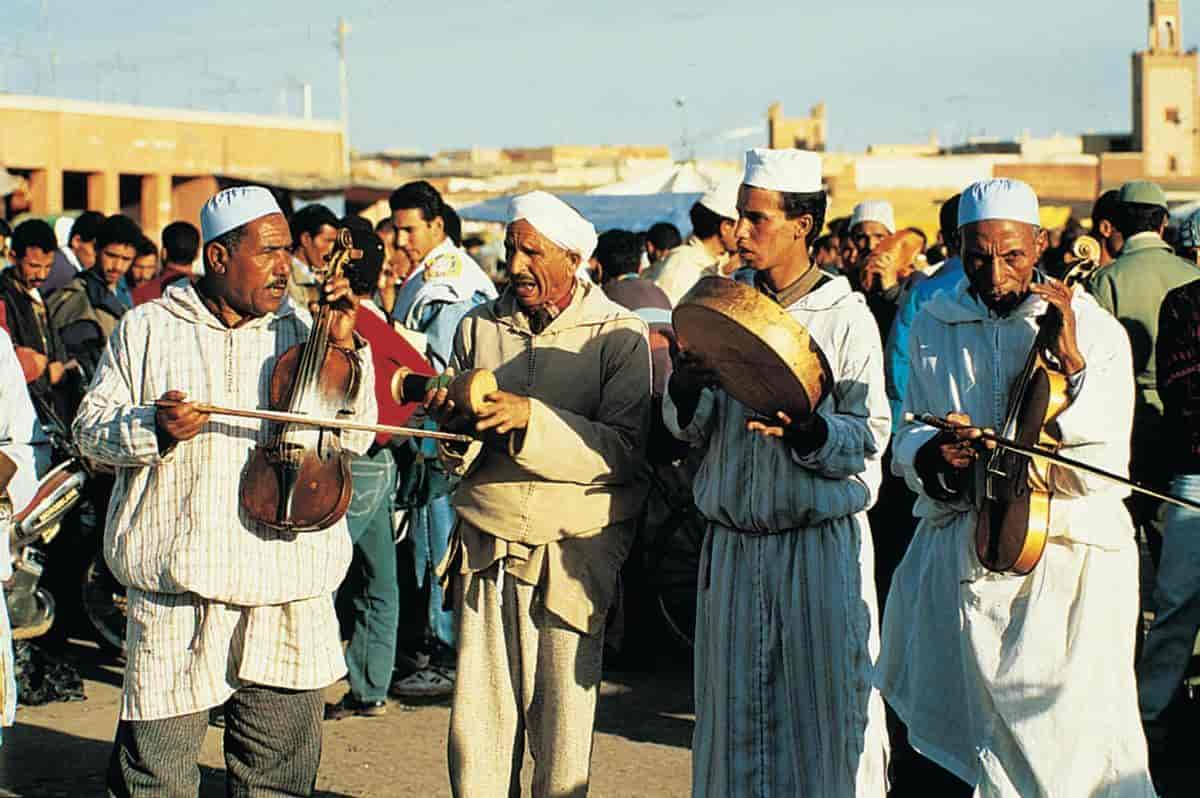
x: 848, y: 642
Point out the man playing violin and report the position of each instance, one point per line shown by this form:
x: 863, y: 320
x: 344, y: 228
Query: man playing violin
x: 222, y: 609
x: 1016, y: 685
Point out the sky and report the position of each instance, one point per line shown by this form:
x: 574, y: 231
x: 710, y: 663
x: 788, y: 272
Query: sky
x: 434, y: 75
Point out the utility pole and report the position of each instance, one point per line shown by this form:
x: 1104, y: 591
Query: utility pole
x: 343, y: 29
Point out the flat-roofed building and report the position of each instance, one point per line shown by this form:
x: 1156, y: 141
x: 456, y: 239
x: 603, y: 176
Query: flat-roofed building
x: 156, y: 164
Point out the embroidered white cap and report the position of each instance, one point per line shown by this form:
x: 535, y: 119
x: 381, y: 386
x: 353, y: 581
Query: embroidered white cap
x: 874, y: 211
x: 999, y: 198
x: 234, y: 207
x: 793, y: 171
x: 722, y: 200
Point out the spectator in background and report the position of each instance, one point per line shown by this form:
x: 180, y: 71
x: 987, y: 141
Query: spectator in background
x: 661, y: 239
x: 1188, y: 244
x: 707, y: 250
x: 1104, y: 226
x: 52, y: 377
x: 314, y: 229
x: 77, y: 256
x: 619, y: 255
x: 5, y: 241
x: 180, y: 245
x: 1132, y: 288
x: 385, y: 294
x: 374, y: 592
x: 443, y: 287
x: 86, y: 310
x: 826, y: 255
x: 145, y: 265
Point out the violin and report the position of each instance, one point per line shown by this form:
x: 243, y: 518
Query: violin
x: 299, y: 480
x: 1014, y: 520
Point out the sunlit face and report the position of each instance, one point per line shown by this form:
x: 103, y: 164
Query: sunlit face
x: 143, y: 270
x: 254, y: 276
x: 416, y: 236
x: 766, y: 237
x: 539, y: 270
x: 999, y: 257
x: 317, y: 247
x: 114, y: 260
x: 866, y: 236
x: 34, y: 267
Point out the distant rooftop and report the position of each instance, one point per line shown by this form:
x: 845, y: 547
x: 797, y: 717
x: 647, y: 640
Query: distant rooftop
x: 27, y: 102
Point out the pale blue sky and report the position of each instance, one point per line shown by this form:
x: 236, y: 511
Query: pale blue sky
x: 437, y: 75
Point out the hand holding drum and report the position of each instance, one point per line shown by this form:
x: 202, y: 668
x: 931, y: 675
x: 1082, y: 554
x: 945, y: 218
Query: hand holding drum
x: 734, y: 335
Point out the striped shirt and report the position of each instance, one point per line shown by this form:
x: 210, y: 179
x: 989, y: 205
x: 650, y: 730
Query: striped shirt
x: 216, y: 600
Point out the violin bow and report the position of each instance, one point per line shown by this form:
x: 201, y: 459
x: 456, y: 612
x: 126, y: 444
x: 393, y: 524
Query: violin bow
x: 313, y: 421
x: 1049, y: 455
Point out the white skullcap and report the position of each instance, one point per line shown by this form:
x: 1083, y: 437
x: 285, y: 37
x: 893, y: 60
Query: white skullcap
x: 1000, y: 198
x: 556, y: 220
x: 793, y: 171
x: 722, y: 200
x: 874, y: 211
x: 234, y: 207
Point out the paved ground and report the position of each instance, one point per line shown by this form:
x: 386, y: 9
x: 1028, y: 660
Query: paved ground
x: 644, y: 727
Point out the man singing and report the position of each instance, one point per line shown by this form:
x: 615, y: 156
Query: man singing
x: 546, y: 509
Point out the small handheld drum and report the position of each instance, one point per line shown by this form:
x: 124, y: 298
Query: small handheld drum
x: 765, y: 359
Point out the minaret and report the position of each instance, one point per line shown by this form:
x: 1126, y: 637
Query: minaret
x: 1166, y: 36
x: 1166, y: 108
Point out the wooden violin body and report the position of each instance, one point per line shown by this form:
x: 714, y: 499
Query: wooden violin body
x: 299, y: 480
x: 1014, y: 521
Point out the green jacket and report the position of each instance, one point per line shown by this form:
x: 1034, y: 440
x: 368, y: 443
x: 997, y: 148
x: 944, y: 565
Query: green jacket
x: 1132, y: 289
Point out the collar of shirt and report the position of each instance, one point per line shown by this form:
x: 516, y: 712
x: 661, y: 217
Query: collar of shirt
x: 69, y: 254
x: 301, y: 273
x: 1147, y: 239
x: 794, y: 292
x: 541, y: 316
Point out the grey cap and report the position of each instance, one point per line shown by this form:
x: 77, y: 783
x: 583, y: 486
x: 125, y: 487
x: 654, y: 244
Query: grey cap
x: 1143, y: 192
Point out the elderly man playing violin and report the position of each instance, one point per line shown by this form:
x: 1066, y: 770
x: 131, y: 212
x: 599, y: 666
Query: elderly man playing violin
x: 222, y: 609
x: 546, y: 507
x: 1017, y: 685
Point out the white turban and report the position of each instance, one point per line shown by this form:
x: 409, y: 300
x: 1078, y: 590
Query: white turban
x: 793, y: 171
x: 234, y: 207
x: 556, y: 220
x: 874, y: 211
x: 1000, y: 198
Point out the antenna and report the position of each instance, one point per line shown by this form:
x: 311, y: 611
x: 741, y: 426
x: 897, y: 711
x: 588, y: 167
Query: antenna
x: 343, y: 30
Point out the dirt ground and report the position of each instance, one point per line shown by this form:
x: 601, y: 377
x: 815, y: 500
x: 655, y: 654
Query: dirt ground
x: 642, y: 744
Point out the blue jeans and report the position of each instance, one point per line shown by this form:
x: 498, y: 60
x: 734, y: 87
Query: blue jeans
x: 371, y: 654
x: 430, y: 527
x: 1172, y: 636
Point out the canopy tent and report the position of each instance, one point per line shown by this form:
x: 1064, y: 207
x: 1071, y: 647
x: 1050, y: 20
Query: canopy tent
x: 681, y: 178
x: 606, y: 211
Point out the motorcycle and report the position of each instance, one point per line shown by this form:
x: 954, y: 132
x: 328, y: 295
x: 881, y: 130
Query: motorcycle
x: 58, y: 559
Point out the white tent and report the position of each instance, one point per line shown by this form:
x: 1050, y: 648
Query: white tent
x: 681, y: 178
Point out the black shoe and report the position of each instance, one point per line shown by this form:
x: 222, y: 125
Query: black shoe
x: 349, y: 705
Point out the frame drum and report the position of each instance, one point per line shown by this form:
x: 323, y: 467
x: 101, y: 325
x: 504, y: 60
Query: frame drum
x: 765, y: 358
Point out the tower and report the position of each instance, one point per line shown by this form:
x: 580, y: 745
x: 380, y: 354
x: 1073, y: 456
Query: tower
x: 1166, y: 108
